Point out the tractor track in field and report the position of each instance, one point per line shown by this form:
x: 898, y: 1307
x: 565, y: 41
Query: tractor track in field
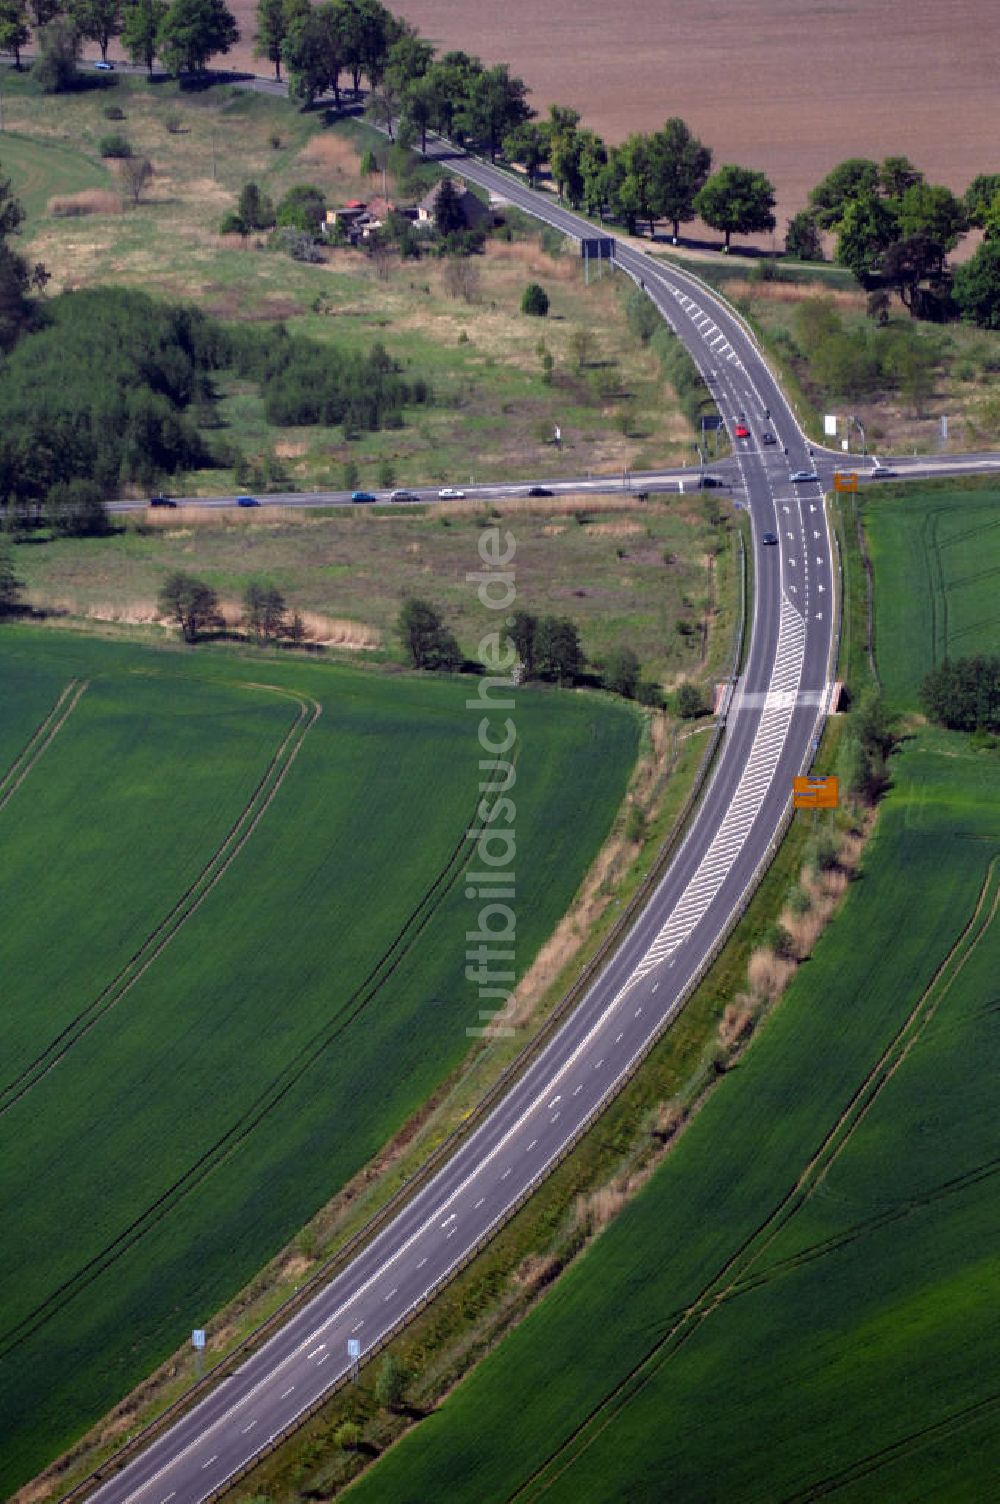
x: 41, y: 739
x: 864, y: 1467
x: 732, y: 1278
x: 189, y: 902
x: 267, y: 1099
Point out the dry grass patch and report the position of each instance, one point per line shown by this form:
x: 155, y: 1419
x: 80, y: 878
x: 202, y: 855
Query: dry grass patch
x: 88, y: 201
x: 768, y: 973
x: 794, y: 292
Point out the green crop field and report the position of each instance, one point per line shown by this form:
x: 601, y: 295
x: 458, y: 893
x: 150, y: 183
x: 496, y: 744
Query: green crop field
x: 936, y: 553
x: 799, y: 1301
x: 232, y: 944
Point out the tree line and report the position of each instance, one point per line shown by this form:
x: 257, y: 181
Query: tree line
x: 895, y: 231
x: 110, y: 387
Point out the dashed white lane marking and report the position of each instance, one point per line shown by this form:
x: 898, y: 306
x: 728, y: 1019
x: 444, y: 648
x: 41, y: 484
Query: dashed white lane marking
x: 619, y: 1037
x: 528, y: 1150
x: 248, y: 1428
x: 556, y: 1098
x: 316, y: 1350
x: 286, y: 1392
x: 213, y: 1458
x: 655, y: 985
x: 579, y: 1089
x: 451, y: 1232
x: 322, y: 1360
x: 506, y: 1172
x: 387, y: 1298
x: 359, y: 1324
x: 479, y: 1203
x: 171, y: 1495
x: 449, y: 1219
x: 422, y: 1262
x: 599, y: 1064
x: 637, y: 1012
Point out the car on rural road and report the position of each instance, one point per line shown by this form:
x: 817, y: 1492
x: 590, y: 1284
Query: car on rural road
x: 742, y: 431
x: 712, y: 482
x: 362, y: 496
x: 451, y: 493
x: 404, y: 496
x: 768, y: 438
x: 882, y: 472
x: 801, y: 477
x: 539, y: 491
x: 104, y: 67
x: 769, y: 538
x: 247, y: 501
x: 162, y: 501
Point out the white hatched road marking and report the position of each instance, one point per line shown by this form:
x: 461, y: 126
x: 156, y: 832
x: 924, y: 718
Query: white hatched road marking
x: 717, y: 861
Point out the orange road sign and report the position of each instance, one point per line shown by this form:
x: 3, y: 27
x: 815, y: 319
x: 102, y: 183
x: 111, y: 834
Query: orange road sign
x: 816, y: 792
x: 845, y: 480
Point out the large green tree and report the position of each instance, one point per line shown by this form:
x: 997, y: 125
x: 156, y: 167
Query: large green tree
x: 272, y: 29
x: 192, y: 31
x: 976, y: 287
x: 858, y: 177
x: 16, y: 277
x: 865, y: 230
x: 681, y: 165
x: 192, y: 603
x: 932, y: 211
x: 97, y: 20
x: 426, y: 641
x: 15, y: 32
x: 737, y: 200
x: 497, y: 102
x: 982, y: 199
x: 141, y: 22
x: 315, y: 52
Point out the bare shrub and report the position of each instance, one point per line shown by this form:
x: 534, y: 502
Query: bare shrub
x: 737, y: 1021
x: 769, y: 974
x: 461, y: 278
x: 89, y: 201
x: 667, y: 1121
x: 136, y: 173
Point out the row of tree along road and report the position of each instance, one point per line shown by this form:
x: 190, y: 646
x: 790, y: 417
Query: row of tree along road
x: 892, y: 228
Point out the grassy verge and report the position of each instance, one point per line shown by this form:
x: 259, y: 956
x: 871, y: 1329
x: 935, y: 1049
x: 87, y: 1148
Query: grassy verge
x: 655, y: 576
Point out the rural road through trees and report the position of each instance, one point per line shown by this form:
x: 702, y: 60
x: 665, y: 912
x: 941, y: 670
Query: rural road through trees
x: 773, y: 716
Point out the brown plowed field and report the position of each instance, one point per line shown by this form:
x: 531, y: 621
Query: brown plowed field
x: 788, y: 86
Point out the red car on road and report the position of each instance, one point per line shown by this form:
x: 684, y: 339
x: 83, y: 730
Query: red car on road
x: 742, y: 431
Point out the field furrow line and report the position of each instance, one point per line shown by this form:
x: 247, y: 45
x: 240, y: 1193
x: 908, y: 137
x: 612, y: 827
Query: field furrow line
x: 160, y: 937
x: 727, y: 1282
x: 865, y: 1466
x: 41, y: 739
x: 267, y: 1100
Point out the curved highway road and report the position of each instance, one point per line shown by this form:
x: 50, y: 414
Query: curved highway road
x: 774, y: 715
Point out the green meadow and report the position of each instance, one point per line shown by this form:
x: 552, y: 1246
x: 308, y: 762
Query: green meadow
x: 936, y: 554
x: 232, y: 949
x: 799, y: 1303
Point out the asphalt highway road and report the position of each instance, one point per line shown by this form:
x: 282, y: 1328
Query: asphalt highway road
x: 773, y: 717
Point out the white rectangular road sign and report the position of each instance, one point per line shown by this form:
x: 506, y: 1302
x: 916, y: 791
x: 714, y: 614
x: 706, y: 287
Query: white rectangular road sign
x: 198, y: 1338
x: 353, y: 1349
x: 830, y: 425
